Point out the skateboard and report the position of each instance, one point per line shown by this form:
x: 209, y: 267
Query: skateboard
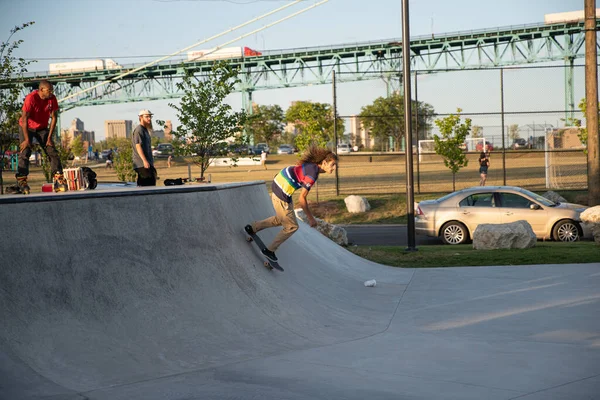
x: 259, y: 243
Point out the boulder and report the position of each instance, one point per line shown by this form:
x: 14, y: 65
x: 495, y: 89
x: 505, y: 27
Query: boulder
x: 357, y: 204
x: 333, y: 232
x: 555, y: 197
x: 514, y: 235
x: 591, y: 218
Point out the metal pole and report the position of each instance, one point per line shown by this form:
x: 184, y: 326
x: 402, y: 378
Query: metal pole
x: 410, y: 208
x: 417, y: 133
x: 502, y: 118
x: 591, y: 101
x: 335, y: 133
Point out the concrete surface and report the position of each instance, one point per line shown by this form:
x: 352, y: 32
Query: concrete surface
x: 155, y: 294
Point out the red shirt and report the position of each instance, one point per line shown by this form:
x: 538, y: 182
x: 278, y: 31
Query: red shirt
x: 39, y: 110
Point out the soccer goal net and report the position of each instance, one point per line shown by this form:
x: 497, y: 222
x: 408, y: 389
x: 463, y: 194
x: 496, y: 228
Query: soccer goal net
x: 565, y: 161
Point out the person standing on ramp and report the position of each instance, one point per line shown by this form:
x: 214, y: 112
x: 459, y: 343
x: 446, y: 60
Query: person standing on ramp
x: 39, y: 106
x: 302, y: 175
x: 143, y: 162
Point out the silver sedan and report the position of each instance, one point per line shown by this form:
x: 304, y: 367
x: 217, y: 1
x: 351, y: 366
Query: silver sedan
x: 455, y: 216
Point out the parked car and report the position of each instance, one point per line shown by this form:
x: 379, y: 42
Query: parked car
x: 285, y: 149
x: 521, y: 144
x: 260, y: 147
x: 242, y: 149
x: 488, y: 147
x: 344, y: 148
x: 163, y: 150
x: 455, y: 216
x: 104, y: 154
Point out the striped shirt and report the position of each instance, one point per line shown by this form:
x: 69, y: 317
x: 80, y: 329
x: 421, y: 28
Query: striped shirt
x: 290, y: 179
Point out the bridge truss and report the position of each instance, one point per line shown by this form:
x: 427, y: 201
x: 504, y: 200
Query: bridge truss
x: 484, y: 49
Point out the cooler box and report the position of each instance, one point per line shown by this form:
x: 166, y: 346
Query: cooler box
x: 74, y: 177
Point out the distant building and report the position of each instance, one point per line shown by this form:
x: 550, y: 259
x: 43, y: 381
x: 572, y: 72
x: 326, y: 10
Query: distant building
x: 168, y: 130
x: 563, y: 138
x: 158, y: 133
x: 120, y: 128
x: 77, y: 129
x: 361, y: 137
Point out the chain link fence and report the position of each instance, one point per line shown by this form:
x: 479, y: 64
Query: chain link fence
x: 521, y: 116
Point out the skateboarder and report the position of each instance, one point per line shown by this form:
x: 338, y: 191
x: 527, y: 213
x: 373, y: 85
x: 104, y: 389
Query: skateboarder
x: 39, y: 106
x: 302, y: 175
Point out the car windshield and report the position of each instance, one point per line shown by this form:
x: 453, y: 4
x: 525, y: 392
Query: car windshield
x: 538, y: 198
x: 446, y: 197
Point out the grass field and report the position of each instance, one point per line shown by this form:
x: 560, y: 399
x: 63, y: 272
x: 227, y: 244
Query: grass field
x: 465, y: 255
x: 374, y: 174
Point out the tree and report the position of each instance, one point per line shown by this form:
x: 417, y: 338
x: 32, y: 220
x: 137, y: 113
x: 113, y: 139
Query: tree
x: 384, y: 118
x: 315, y: 124
x: 583, y: 133
x: 123, y: 160
x: 513, y: 132
x: 77, y: 146
x: 453, y: 133
x: 266, y: 123
x: 477, y: 131
x: 11, y: 71
x: 205, y: 118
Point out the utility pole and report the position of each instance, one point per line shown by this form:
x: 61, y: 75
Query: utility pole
x: 410, y: 195
x: 591, y: 100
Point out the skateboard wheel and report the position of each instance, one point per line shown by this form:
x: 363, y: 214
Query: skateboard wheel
x: 266, y: 264
x: 248, y: 239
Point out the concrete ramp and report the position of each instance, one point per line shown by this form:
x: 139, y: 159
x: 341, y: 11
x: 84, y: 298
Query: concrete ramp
x: 154, y: 294
x: 121, y: 287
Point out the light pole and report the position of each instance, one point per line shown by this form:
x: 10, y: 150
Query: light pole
x: 410, y: 208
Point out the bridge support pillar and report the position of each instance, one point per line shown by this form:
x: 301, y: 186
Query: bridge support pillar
x: 569, y: 90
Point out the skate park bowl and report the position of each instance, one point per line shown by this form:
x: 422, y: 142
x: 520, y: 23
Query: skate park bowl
x: 154, y: 293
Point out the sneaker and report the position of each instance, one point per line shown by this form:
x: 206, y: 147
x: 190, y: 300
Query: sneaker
x: 269, y: 254
x: 249, y: 230
x: 22, y: 185
x: 60, y: 183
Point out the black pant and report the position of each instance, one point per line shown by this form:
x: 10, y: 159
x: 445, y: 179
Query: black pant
x: 42, y: 137
x: 146, y: 176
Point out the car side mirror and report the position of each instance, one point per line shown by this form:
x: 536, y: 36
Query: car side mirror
x: 534, y: 206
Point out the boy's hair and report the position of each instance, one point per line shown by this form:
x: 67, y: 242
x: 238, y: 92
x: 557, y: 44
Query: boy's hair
x: 317, y: 155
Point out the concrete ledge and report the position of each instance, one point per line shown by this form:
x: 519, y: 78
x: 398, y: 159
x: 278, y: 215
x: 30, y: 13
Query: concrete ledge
x: 123, y: 191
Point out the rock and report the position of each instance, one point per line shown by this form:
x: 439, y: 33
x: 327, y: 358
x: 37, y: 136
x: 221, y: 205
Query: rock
x: 514, y: 235
x: 591, y: 218
x: 357, y: 204
x: 555, y: 197
x: 333, y: 232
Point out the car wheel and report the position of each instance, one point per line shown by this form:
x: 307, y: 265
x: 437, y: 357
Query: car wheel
x: 454, y: 233
x: 566, y: 231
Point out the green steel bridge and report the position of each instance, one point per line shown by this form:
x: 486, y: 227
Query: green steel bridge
x: 382, y: 59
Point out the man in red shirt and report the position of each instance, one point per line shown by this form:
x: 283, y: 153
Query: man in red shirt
x: 39, y: 106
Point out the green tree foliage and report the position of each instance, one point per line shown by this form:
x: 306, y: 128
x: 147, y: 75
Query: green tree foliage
x: 513, y: 132
x: 314, y: 122
x: 11, y: 72
x: 384, y: 118
x: 477, y: 131
x: 123, y: 160
x: 265, y: 123
x: 453, y: 132
x: 583, y: 133
x: 206, y: 120
x: 76, y: 146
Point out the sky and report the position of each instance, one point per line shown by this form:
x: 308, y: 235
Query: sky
x: 131, y: 31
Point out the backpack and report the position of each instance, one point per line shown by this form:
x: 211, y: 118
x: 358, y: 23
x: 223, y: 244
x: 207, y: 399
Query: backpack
x: 89, y: 176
